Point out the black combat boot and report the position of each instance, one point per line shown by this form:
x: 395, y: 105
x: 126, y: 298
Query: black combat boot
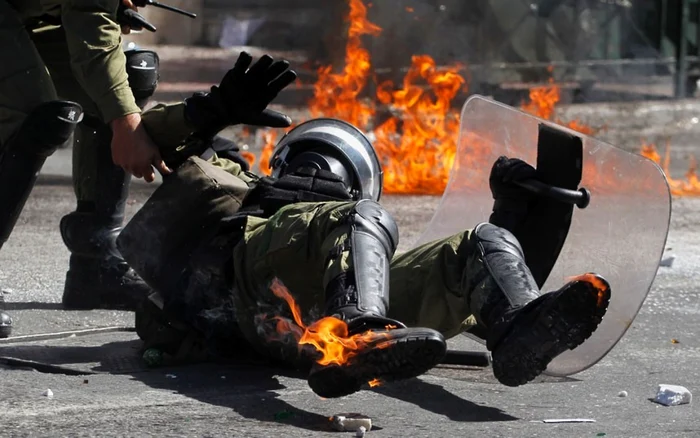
x: 360, y: 297
x: 98, y: 276
x: 525, y: 330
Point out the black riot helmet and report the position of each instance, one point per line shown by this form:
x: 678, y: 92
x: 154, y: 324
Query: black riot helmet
x: 335, y: 146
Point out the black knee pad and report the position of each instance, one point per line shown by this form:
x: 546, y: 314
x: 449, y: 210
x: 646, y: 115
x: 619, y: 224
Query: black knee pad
x: 371, y: 218
x: 489, y: 239
x: 143, y: 68
x: 44, y: 130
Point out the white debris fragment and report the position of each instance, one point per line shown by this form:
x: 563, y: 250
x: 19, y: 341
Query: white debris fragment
x: 351, y: 422
x: 622, y: 394
x: 171, y: 376
x: 6, y: 290
x: 673, y: 395
x: 360, y: 432
x: 569, y: 420
x: 48, y: 393
x: 667, y: 262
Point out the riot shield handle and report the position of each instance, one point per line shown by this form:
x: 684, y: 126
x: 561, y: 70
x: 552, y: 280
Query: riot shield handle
x: 580, y: 198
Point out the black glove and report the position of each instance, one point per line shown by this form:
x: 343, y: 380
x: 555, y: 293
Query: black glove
x: 511, y: 200
x: 242, y: 97
x: 505, y: 172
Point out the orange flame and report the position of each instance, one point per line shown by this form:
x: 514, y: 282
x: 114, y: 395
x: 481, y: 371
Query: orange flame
x: 374, y: 383
x: 543, y: 101
x: 417, y: 142
x: 329, y: 335
x: 597, y: 283
x: 688, y: 187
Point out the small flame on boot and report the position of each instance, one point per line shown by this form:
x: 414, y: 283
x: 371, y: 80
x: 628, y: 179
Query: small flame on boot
x: 329, y: 336
x: 374, y: 383
x: 597, y: 283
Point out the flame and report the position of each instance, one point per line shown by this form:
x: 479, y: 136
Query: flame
x: 543, y: 101
x: 329, y: 336
x: 597, y: 283
x: 374, y: 383
x: 688, y: 187
x: 415, y: 134
x: 336, y: 94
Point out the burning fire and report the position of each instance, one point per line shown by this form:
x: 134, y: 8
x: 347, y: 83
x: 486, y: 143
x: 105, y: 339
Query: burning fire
x: 543, y: 101
x: 329, y: 335
x: 415, y: 127
x: 415, y: 136
x: 688, y: 187
x: 374, y: 383
x: 596, y: 282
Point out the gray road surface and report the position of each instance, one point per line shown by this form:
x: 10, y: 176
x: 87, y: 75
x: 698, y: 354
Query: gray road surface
x: 101, y: 388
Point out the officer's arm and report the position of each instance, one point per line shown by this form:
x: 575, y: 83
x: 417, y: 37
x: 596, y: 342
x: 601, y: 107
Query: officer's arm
x: 97, y: 59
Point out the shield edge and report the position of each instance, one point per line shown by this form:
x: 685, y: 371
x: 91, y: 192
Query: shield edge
x: 422, y: 239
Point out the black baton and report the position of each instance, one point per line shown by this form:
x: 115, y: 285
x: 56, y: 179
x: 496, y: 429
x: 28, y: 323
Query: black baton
x: 580, y: 198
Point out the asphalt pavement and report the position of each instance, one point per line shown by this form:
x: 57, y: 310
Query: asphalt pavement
x: 100, y: 387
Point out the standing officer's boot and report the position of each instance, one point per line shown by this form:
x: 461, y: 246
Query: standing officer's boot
x: 98, y: 276
x: 525, y: 330
x: 45, y: 129
x: 360, y: 297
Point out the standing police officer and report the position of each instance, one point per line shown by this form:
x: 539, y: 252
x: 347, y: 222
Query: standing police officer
x: 71, y: 49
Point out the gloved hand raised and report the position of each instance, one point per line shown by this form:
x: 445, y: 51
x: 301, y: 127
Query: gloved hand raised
x: 242, y: 97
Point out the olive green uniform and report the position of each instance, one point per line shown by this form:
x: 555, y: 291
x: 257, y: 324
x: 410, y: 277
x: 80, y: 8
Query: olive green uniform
x: 82, y: 61
x: 428, y: 283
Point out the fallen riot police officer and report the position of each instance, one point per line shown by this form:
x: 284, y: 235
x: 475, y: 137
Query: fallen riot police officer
x: 216, y: 243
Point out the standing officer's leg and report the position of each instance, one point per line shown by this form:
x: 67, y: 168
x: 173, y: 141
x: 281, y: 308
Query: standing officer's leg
x: 98, y: 276
x: 33, y: 124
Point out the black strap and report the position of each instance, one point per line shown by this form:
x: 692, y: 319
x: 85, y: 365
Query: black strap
x: 304, y: 185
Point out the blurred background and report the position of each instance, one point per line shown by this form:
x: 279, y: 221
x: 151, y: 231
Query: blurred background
x: 506, y: 43
x: 624, y: 70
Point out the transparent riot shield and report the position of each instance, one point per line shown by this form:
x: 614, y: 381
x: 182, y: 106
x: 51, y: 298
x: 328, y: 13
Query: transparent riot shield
x: 620, y: 235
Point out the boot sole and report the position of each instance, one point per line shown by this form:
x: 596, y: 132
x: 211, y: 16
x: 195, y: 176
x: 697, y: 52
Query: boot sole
x: 410, y: 353
x: 565, y: 323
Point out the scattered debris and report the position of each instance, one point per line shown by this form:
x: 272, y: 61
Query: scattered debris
x: 675, y: 341
x: 153, y: 357
x: 360, y: 432
x: 86, y: 381
x: 673, y: 395
x: 6, y: 290
x: 601, y: 434
x: 351, y: 422
x: 667, y: 262
x: 48, y: 393
x: 622, y: 394
x: 171, y: 376
x: 570, y: 420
